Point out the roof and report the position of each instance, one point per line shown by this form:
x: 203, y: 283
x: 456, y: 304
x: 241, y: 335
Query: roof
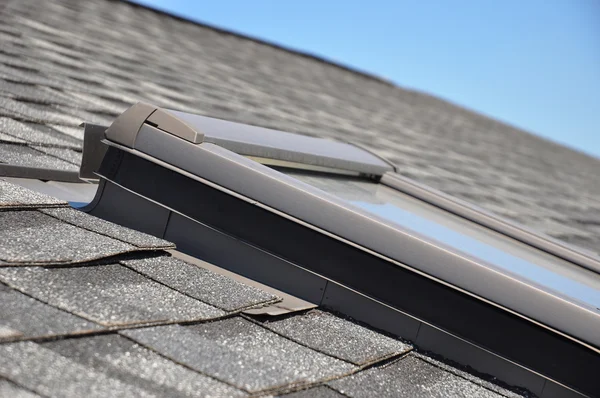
x: 103, y: 310
x: 99, y: 309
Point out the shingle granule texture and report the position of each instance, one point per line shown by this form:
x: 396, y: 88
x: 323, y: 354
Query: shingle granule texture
x: 107, y: 294
x: 315, y: 392
x: 241, y: 353
x: 20, y: 155
x: 139, y: 366
x: 9, y: 389
x: 51, y: 374
x: 15, y: 196
x: 35, y: 136
x: 205, y: 285
x: 95, y: 224
x: 409, y: 377
x: 26, y: 236
x: 338, y: 337
x: 24, y: 317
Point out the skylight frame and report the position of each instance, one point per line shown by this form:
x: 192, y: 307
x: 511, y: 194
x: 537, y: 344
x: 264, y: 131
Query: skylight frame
x: 263, y: 187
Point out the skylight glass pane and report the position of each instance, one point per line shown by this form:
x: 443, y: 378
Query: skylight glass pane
x: 505, y: 254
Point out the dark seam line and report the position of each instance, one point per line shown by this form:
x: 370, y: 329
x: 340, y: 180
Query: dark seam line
x: 164, y: 231
x: 164, y: 247
x: 43, y: 302
x: 360, y: 367
x: 183, y: 364
x: 482, y: 376
x: 324, y: 292
x: 22, y: 386
x: 99, y: 261
x: 464, y: 378
x: 336, y: 390
x: 237, y: 310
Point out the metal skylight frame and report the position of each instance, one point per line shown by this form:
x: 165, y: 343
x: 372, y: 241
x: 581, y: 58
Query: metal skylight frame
x: 173, y: 149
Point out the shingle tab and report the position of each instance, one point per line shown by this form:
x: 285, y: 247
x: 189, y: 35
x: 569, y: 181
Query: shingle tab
x: 24, y: 317
x: 107, y: 294
x: 338, y: 337
x: 21, y: 155
x: 15, y: 196
x: 409, y: 377
x: 315, y: 392
x: 98, y: 225
x: 25, y: 237
x: 241, y: 353
x: 9, y: 389
x: 133, y: 364
x: 34, y: 135
x: 48, y: 373
x: 205, y: 285
x: 66, y: 154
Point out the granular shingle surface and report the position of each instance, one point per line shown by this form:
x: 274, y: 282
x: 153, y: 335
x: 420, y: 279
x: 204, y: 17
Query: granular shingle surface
x: 316, y: 392
x: 412, y: 378
x: 95, y: 224
x: 133, y: 364
x: 108, y: 294
x: 14, y: 196
x: 26, y: 236
x: 241, y: 353
x: 51, y: 374
x: 9, y: 389
x: 20, y: 155
x: 27, y: 317
x: 59, y: 71
x: 338, y: 337
x: 200, y: 283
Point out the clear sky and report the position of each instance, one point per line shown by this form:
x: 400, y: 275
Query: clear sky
x: 534, y: 64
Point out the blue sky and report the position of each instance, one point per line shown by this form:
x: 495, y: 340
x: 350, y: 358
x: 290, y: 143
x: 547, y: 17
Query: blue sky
x: 534, y: 64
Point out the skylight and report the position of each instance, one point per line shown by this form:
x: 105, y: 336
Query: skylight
x: 345, y: 228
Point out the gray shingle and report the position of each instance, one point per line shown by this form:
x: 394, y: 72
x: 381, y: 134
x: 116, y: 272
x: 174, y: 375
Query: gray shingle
x: 15, y: 196
x: 241, y: 353
x: 315, y: 392
x: 212, y: 288
x: 409, y: 377
x: 21, y: 155
x: 66, y: 154
x: 10, y: 139
x: 107, y: 294
x: 9, y: 389
x: 98, y: 225
x: 24, y: 317
x: 131, y: 363
x: 35, y: 135
x: 338, y: 337
x: 48, y: 373
x: 26, y: 234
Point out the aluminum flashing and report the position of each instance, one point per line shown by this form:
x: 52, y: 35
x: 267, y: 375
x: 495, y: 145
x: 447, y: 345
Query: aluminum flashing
x: 311, y: 205
x: 215, y: 208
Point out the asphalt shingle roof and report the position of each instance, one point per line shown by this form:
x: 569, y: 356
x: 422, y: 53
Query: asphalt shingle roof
x: 94, y: 309
x: 64, y: 61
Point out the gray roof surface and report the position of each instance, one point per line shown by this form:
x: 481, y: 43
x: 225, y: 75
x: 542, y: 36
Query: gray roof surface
x: 65, y: 61
x: 90, y: 308
x: 94, y: 309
